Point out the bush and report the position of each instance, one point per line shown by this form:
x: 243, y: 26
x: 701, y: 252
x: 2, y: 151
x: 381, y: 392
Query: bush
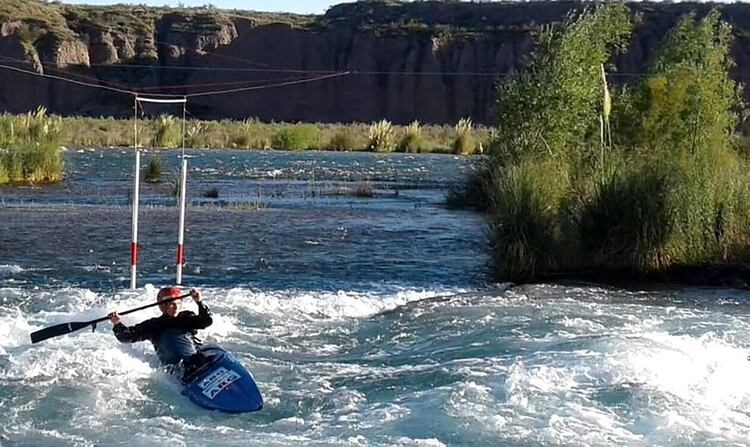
x: 629, y: 220
x: 475, y: 192
x: 297, y: 137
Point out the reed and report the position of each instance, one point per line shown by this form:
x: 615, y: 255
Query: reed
x: 343, y: 140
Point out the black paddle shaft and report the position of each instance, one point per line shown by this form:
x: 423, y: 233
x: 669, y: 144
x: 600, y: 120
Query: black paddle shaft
x: 67, y: 328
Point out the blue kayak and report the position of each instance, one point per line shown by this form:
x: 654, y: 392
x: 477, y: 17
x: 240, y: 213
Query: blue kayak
x: 222, y: 383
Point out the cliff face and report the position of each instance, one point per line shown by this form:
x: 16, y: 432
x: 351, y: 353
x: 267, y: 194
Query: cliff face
x: 402, y: 57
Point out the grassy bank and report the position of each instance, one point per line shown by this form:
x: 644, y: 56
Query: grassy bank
x: 166, y: 131
x: 643, y: 178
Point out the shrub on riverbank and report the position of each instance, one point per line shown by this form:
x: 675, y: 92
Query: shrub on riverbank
x: 30, y: 148
x: 297, y: 137
x: 667, y: 188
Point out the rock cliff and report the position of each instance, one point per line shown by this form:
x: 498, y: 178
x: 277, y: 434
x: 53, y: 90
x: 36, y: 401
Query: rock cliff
x: 431, y: 61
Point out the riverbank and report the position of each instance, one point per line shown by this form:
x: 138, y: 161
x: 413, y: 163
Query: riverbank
x: 382, y: 136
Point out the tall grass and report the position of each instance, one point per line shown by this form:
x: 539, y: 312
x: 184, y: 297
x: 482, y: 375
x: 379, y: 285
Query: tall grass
x: 30, y: 148
x: 527, y: 239
x: 412, y: 140
x: 167, y: 132
x: 382, y: 137
x: 343, y: 140
x: 464, y: 143
x: 243, y: 134
x: 194, y: 135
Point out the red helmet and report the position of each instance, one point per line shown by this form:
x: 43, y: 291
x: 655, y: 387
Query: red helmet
x: 168, y: 292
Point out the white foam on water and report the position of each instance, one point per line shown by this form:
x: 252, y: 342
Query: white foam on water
x: 588, y: 374
x: 636, y: 384
x: 415, y: 442
x: 9, y: 270
x: 14, y: 330
x: 321, y: 305
x: 700, y: 383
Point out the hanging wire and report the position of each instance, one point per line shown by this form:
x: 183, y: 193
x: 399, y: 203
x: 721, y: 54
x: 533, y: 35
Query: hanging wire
x: 173, y: 96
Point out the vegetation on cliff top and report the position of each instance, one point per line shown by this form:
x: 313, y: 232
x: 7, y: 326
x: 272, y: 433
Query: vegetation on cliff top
x: 64, y: 21
x: 667, y: 188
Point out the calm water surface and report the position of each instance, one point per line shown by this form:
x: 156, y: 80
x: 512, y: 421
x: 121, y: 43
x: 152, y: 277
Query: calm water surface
x: 367, y: 321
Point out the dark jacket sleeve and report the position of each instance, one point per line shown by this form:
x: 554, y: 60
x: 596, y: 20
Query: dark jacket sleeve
x: 130, y: 334
x: 189, y: 320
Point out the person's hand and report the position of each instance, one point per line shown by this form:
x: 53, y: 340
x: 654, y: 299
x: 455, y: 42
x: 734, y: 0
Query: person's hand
x: 196, y: 294
x: 114, y: 317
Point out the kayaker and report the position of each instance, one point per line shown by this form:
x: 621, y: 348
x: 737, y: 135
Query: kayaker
x: 173, y: 333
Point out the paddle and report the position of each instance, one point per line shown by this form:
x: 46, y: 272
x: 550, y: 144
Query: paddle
x: 67, y: 328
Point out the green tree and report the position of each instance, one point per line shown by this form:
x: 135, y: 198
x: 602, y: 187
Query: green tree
x: 687, y: 101
x: 553, y: 105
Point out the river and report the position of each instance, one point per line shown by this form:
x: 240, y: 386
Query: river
x: 366, y: 321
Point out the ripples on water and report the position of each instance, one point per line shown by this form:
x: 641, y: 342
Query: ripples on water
x: 380, y: 333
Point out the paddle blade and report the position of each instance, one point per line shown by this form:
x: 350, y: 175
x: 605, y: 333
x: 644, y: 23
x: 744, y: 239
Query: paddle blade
x: 59, y: 329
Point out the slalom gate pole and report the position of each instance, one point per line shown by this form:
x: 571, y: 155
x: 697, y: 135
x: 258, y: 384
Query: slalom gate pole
x: 183, y: 195
x: 181, y: 229
x: 136, y: 184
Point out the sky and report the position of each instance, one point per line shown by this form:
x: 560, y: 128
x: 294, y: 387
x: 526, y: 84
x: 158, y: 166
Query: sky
x: 297, y: 6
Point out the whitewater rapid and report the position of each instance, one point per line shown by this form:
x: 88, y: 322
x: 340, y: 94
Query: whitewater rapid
x: 531, y: 365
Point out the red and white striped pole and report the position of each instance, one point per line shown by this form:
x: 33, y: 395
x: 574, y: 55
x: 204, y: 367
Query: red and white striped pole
x: 181, y: 231
x: 134, y: 242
